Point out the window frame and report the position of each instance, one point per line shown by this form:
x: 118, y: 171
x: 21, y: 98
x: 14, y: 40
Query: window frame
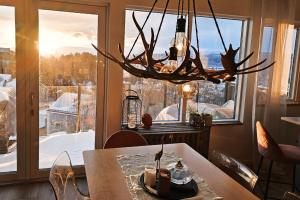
x: 241, y: 80
x: 20, y: 95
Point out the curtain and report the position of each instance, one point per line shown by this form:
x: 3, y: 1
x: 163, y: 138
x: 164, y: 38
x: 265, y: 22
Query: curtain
x: 277, y: 18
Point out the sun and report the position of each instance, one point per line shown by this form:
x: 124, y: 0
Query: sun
x: 47, y: 47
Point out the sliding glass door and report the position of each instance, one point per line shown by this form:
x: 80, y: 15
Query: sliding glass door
x: 8, y: 131
x: 67, y: 84
x: 70, y: 82
x: 51, y: 84
x: 12, y: 119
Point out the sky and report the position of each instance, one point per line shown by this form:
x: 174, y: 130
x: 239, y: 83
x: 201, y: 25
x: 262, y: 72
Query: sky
x: 208, y: 35
x: 66, y: 32
x: 7, y: 30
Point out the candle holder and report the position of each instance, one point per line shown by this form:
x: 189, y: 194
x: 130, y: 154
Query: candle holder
x: 132, y: 109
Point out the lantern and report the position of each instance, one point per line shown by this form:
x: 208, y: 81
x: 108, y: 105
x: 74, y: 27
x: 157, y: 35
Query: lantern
x: 132, y: 110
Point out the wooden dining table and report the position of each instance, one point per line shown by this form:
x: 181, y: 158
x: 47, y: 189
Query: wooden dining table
x: 106, y: 180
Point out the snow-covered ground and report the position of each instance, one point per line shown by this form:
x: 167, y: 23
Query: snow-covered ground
x: 225, y: 111
x: 51, y: 146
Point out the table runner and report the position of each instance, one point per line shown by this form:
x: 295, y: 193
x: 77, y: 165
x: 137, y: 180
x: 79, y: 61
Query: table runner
x: 133, y: 166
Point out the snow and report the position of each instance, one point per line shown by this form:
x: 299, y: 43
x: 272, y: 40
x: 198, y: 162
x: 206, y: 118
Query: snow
x: 225, y: 111
x: 51, y: 146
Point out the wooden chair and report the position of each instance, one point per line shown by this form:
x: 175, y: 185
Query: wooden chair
x: 235, y: 169
x: 125, y: 138
x: 62, y: 179
x: 270, y: 150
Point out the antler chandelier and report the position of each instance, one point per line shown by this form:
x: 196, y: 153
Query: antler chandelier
x: 179, y: 66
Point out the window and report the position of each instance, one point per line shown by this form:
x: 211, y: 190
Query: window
x: 219, y: 100
x: 294, y: 46
x: 8, y: 132
x: 290, y: 72
x: 160, y: 98
x: 263, y: 76
x: 67, y: 84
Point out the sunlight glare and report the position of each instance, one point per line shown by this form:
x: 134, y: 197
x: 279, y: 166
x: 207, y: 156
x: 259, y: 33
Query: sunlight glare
x: 47, y: 48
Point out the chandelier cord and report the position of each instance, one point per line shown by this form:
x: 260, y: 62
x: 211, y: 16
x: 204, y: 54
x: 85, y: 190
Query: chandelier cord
x: 189, y: 15
x: 178, y: 13
x: 161, y: 22
x: 196, y: 25
x: 182, y: 8
x: 147, y: 18
x: 217, y: 25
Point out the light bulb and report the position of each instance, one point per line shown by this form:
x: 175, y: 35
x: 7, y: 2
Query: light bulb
x: 180, y: 43
x: 169, y: 67
x: 172, y: 62
x: 180, y: 40
x: 186, y: 88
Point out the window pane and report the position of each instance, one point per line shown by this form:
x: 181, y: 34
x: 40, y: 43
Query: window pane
x: 263, y: 76
x: 218, y: 100
x: 294, y: 44
x: 160, y: 98
x: 266, y: 52
x: 8, y: 134
x: 67, y: 84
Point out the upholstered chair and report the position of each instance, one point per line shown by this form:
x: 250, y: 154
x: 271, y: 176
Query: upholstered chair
x: 281, y: 153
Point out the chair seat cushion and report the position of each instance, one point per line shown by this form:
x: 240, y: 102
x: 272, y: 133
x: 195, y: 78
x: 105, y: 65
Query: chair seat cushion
x: 291, y: 153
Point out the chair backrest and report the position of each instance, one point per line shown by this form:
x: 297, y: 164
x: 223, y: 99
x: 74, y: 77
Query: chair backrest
x: 290, y: 196
x: 62, y: 179
x: 125, y: 138
x: 267, y: 146
x: 238, y: 171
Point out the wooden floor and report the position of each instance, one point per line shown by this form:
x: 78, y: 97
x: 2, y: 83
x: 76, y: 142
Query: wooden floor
x: 34, y: 191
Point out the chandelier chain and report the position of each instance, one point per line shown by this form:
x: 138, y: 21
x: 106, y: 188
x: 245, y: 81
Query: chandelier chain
x: 178, y: 13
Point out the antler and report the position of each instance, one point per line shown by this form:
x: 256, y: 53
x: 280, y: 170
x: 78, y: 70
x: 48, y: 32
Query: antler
x: 191, y: 69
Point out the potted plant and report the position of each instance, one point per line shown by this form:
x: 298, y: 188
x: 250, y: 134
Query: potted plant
x: 207, y: 119
x: 195, y: 118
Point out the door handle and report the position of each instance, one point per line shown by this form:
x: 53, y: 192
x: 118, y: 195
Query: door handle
x: 32, y: 96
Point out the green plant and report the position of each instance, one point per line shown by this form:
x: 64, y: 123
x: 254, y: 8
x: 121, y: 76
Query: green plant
x: 192, y: 111
x: 206, y: 114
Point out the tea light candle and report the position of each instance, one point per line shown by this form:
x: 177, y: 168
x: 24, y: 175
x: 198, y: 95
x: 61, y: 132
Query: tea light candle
x: 150, y: 176
x: 132, y: 121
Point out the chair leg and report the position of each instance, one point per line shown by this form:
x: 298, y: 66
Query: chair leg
x: 259, y: 165
x: 294, y: 178
x: 268, y: 180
